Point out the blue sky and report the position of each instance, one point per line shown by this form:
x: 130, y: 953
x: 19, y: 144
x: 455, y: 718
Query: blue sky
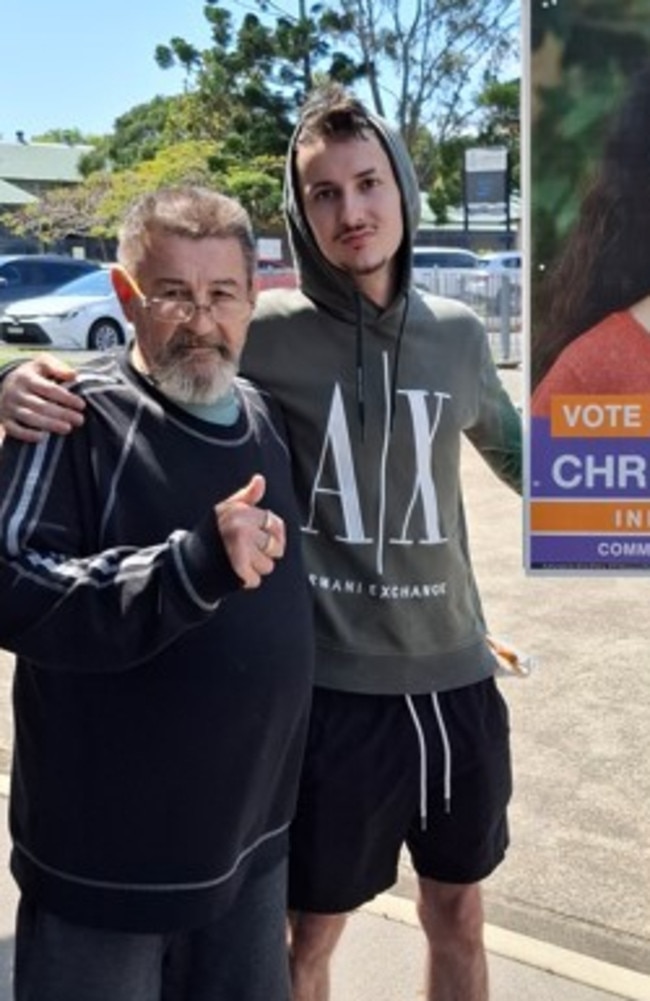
x: 83, y: 63
x: 76, y: 64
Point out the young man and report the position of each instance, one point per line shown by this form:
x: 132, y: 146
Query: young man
x: 409, y: 736
x: 162, y: 627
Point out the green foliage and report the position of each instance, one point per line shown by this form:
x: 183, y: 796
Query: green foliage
x: 260, y: 193
x: 141, y: 132
x: 229, y: 78
x: 447, y: 185
x: 231, y: 125
x: 497, y: 125
x: 68, y: 137
x: 66, y: 210
x: 95, y: 159
x: 498, y: 104
x: 258, y: 70
x: 96, y: 207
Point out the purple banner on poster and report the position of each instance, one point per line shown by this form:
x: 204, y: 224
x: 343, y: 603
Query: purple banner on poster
x: 588, y: 480
x: 582, y: 552
x: 587, y: 468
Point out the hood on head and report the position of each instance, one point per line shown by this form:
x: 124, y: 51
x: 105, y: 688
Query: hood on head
x: 319, y: 279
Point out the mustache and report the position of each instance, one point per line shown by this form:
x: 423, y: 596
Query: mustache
x: 347, y: 231
x: 183, y: 343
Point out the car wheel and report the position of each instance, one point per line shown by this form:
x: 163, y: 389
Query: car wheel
x: 104, y: 335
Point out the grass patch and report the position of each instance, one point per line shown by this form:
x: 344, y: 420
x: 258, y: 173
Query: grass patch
x: 10, y: 353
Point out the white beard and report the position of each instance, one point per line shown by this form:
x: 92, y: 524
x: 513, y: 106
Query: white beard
x: 196, y: 385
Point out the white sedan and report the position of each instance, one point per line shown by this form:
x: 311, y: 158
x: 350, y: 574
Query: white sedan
x: 84, y: 313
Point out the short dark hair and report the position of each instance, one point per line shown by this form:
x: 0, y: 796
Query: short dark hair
x: 331, y: 112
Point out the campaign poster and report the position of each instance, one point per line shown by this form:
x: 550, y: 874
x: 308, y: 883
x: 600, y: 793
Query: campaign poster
x: 588, y: 414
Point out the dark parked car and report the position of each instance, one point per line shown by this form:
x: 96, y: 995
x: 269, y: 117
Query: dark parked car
x: 23, y: 276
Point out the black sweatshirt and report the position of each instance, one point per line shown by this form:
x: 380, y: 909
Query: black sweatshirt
x: 160, y: 708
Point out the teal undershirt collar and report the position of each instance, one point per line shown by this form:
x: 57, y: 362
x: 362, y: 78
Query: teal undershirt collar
x: 224, y: 411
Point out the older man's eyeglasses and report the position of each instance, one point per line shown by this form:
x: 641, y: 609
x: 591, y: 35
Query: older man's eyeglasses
x: 182, y: 309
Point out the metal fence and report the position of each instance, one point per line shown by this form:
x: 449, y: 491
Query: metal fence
x: 495, y: 296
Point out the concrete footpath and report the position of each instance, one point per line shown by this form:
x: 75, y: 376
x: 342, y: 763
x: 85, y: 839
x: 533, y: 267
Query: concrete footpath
x: 568, y: 915
x: 381, y: 956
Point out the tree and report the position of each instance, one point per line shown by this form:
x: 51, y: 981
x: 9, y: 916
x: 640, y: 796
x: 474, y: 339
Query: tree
x: 257, y: 61
x: 497, y: 124
x: 67, y: 137
x: 418, y: 59
x: 253, y: 78
x: 140, y: 133
x: 60, y: 213
x: 259, y: 189
x: 95, y: 207
x: 499, y: 121
x: 422, y: 57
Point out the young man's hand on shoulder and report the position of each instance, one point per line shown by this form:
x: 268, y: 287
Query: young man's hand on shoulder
x: 34, y: 400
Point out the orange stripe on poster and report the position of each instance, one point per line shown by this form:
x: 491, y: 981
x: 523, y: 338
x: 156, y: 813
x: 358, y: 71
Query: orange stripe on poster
x: 600, y: 416
x: 592, y: 516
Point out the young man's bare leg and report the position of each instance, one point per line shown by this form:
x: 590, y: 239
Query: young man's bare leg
x: 312, y: 940
x: 452, y: 918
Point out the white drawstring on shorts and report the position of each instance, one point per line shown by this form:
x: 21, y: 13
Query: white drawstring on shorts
x: 423, y: 761
x: 446, y: 747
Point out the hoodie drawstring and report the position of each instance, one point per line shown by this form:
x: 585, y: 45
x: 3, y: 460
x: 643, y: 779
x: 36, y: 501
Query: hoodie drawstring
x: 396, y: 357
x: 446, y: 747
x: 361, y: 369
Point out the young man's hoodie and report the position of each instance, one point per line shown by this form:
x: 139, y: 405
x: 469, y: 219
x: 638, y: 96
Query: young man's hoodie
x: 376, y: 402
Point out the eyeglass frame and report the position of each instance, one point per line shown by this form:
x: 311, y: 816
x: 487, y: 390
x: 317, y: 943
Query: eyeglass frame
x: 215, y: 309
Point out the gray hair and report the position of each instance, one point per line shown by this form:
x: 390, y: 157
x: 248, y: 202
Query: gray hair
x: 187, y: 211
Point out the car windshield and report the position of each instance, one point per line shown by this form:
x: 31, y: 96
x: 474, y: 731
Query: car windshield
x: 504, y: 260
x: 95, y: 283
x: 444, y: 259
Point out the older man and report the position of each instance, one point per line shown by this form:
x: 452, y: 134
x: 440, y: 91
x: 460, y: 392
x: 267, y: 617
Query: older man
x: 378, y: 383
x: 162, y: 626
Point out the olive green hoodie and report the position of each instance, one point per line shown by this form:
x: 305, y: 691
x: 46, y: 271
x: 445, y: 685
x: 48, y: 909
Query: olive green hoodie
x: 376, y: 401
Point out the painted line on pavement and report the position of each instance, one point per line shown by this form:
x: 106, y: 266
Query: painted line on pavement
x: 575, y: 966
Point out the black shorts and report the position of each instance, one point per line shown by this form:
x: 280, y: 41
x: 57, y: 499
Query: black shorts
x: 381, y: 771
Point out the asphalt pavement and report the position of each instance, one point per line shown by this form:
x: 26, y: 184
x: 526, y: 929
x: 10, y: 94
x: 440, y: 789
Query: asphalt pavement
x: 567, y: 912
